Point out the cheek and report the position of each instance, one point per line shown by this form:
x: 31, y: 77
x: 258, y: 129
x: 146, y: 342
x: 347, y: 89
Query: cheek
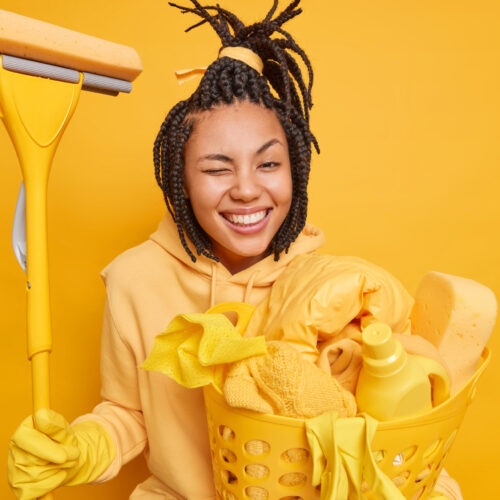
x: 281, y: 190
x: 203, y: 194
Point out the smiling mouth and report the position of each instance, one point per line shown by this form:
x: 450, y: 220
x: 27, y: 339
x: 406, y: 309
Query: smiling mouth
x: 247, y: 220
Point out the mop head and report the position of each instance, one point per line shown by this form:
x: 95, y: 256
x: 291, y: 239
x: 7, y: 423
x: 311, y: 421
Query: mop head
x: 42, y: 49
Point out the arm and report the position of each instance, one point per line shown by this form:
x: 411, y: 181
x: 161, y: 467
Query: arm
x: 120, y: 413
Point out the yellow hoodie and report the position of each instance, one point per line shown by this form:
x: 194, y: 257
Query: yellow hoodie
x: 143, y: 410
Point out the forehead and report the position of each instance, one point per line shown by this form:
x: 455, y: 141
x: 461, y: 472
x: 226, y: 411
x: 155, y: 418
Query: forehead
x: 240, y: 126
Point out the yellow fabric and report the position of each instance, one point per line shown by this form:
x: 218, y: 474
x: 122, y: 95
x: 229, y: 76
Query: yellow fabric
x: 146, y: 287
x: 184, y: 75
x: 283, y: 383
x: 342, y: 458
x: 248, y: 56
x: 447, y: 487
x: 339, y: 294
x: 56, y: 454
x: 195, y: 347
x: 343, y: 360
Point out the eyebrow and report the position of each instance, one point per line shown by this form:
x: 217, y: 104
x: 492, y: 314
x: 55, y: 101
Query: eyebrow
x: 227, y: 159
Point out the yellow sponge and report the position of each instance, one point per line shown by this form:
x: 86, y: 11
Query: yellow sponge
x: 28, y: 38
x: 457, y: 315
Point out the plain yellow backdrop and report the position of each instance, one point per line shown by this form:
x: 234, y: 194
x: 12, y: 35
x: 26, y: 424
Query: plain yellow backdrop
x: 407, y: 114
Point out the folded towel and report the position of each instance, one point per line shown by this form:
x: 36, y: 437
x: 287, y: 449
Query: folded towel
x: 283, y: 383
x: 195, y: 347
x: 343, y: 360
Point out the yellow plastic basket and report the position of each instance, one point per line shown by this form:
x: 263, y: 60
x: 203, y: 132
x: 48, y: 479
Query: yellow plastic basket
x: 411, y: 451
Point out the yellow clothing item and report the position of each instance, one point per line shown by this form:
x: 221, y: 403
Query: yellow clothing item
x: 146, y: 287
x: 447, y: 487
x: 283, y: 383
x: 55, y: 454
x: 196, y: 347
x: 319, y: 297
x: 343, y: 360
x: 342, y: 457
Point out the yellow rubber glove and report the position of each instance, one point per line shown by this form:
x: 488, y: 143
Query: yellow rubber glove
x: 56, y: 454
x: 341, y: 455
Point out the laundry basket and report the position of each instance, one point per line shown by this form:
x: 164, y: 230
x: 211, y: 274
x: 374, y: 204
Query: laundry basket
x: 410, y: 451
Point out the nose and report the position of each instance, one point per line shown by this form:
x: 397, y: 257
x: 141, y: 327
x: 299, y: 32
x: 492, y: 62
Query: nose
x: 246, y: 186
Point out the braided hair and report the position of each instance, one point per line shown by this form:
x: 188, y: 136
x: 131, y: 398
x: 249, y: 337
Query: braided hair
x: 228, y: 80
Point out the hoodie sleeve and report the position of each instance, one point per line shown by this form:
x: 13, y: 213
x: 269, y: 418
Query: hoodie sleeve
x: 120, y: 412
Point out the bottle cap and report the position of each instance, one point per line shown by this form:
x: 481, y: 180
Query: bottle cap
x: 378, y: 342
x: 383, y: 355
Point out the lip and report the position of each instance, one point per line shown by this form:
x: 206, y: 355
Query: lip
x: 244, y: 211
x: 251, y: 228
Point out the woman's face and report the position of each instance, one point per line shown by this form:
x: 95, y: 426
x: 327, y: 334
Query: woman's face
x: 238, y: 179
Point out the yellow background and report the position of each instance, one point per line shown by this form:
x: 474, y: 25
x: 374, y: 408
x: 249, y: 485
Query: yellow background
x: 407, y: 114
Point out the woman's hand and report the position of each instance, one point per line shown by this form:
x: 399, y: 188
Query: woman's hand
x: 55, y: 454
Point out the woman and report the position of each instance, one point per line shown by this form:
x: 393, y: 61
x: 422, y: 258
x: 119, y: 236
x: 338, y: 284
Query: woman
x: 233, y: 163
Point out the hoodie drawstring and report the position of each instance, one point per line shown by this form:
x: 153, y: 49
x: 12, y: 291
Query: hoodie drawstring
x: 212, y: 285
x: 249, y: 286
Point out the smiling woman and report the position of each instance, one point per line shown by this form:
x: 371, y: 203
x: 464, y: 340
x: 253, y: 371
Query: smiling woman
x: 233, y: 163
x: 238, y: 180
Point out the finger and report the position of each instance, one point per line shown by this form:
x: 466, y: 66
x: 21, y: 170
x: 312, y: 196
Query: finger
x: 38, y: 445
x: 22, y: 478
x: 25, y: 488
x: 22, y: 457
x: 53, y: 424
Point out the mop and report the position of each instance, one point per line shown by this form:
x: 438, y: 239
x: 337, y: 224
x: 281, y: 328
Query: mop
x: 43, y: 68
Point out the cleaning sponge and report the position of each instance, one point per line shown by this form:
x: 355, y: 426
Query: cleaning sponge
x: 28, y: 38
x: 457, y: 315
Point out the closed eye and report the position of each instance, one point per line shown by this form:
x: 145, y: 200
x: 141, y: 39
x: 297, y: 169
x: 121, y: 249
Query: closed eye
x: 215, y: 171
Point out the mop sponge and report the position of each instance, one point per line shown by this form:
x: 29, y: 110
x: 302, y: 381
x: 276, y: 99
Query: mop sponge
x: 28, y: 38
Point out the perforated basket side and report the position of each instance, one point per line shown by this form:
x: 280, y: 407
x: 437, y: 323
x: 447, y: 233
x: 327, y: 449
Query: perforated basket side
x: 410, y: 451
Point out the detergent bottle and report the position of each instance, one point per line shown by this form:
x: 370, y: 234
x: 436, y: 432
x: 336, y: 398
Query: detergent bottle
x: 393, y: 384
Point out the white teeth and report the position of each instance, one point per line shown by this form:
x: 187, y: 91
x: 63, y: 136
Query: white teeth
x: 246, y: 219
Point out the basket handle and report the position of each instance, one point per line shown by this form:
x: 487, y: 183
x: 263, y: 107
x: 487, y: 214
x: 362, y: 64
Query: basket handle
x: 243, y: 312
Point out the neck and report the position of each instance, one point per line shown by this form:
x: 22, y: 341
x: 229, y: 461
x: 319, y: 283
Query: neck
x: 236, y: 263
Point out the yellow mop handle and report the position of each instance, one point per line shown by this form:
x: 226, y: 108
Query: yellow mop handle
x: 36, y: 112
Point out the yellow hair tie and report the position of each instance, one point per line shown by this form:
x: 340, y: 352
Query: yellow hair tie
x: 249, y: 57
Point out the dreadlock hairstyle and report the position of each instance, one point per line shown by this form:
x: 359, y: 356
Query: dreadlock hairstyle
x: 225, y: 81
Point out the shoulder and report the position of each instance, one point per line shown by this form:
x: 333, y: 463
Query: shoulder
x: 135, y: 267
x: 324, y: 267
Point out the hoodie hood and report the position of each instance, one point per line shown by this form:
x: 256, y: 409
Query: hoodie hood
x: 263, y: 273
